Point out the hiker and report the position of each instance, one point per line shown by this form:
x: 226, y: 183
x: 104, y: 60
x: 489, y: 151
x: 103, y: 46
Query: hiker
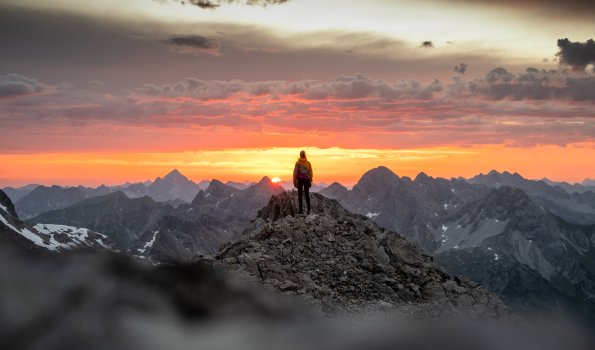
x: 302, y: 179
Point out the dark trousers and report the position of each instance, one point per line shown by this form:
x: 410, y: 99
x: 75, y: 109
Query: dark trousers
x: 304, y: 187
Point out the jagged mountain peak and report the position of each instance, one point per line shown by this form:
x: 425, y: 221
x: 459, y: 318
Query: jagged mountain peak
x: 173, y: 177
x: 265, y: 184
x: 336, y: 185
x: 381, y: 171
x: 422, y: 177
x: 380, y: 178
x: 175, y: 174
x: 334, y: 191
x: 216, y: 185
x: 265, y: 180
x: 216, y: 189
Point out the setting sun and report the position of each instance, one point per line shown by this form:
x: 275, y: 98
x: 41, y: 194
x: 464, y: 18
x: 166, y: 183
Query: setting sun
x: 275, y: 180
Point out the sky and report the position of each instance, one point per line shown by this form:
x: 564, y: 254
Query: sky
x: 103, y: 92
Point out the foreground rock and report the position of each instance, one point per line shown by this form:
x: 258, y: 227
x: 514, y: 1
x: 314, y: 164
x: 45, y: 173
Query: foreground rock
x: 344, y: 262
x: 100, y: 300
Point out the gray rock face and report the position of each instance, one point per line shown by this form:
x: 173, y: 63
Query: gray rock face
x: 344, y: 262
x: 173, y: 186
x: 6, y: 204
x: 45, y: 238
x: 507, y: 235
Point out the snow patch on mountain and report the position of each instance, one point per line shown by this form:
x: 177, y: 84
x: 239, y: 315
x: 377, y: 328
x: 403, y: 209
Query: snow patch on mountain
x: 149, y: 244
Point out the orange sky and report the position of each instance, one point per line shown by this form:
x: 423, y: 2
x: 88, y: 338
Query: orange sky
x: 330, y: 164
x: 235, y: 92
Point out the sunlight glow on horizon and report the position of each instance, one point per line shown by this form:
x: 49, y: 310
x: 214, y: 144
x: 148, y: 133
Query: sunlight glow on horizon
x: 330, y: 164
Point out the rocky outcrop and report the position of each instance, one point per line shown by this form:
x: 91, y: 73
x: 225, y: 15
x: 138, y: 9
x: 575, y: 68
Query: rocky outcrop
x: 344, y: 262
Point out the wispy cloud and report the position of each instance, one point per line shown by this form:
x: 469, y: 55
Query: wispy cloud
x: 213, y: 4
x: 194, y: 44
x: 14, y: 85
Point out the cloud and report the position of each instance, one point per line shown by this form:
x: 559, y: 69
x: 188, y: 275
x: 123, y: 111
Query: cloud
x: 582, y: 9
x: 195, y: 44
x: 534, y: 84
x: 461, y: 68
x: 213, y: 4
x: 427, y: 45
x: 14, y: 85
x: 347, y: 87
x: 497, y: 108
x: 577, y: 55
x: 128, y: 54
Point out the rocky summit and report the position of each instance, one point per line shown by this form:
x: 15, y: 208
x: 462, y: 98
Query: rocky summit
x: 343, y: 262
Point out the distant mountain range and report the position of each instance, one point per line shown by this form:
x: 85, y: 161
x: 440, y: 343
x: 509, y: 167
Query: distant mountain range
x: 586, y: 185
x: 158, y: 230
x: 529, y: 242
x: 33, y: 200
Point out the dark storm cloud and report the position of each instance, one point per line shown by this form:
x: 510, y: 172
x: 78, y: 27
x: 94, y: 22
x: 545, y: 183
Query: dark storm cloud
x: 194, y: 44
x: 213, y: 4
x: 577, y: 55
x: 13, y: 85
x: 427, y: 44
x: 461, y: 68
x: 584, y: 9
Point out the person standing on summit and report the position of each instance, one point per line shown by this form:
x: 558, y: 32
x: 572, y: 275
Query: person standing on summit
x: 302, y: 179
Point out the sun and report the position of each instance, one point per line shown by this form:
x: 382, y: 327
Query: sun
x: 275, y: 180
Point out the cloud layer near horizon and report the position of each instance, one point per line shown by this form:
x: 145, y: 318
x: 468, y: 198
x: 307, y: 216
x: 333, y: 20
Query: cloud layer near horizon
x: 532, y: 108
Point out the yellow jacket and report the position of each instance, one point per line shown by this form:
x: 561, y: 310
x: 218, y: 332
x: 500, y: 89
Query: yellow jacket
x: 302, y: 166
